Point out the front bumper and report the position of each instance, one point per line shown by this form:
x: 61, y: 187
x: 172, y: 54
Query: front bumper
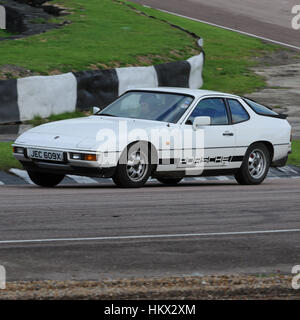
x: 68, y: 166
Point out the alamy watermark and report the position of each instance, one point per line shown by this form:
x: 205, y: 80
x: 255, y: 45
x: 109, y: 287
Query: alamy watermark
x: 2, y: 278
x: 2, y: 18
x: 296, y: 18
x: 183, y: 149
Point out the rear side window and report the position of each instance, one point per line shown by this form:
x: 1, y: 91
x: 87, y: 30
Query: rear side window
x: 260, y: 109
x: 238, y: 113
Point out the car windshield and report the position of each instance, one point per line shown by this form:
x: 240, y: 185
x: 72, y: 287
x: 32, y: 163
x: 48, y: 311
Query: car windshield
x: 159, y: 106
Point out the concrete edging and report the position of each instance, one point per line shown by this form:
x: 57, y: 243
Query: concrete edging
x: 25, y: 98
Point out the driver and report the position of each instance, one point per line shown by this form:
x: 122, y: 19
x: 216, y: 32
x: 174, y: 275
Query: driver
x: 148, y: 105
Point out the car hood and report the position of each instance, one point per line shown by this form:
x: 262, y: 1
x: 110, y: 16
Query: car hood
x: 88, y: 133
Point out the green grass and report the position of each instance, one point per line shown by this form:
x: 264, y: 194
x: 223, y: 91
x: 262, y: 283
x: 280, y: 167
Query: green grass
x: 101, y: 33
x: 4, y: 33
x: 7, y: 160
x: 294, y: 157
x: 36, y: 121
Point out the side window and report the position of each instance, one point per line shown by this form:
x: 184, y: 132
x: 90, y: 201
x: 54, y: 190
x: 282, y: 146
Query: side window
x: 212, y: 107
x: 238, y: 113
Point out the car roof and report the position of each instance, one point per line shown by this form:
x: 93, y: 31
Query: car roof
x: 197, y: 93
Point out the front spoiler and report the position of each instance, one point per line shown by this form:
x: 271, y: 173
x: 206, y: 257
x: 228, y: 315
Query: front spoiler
x: 54, y: 168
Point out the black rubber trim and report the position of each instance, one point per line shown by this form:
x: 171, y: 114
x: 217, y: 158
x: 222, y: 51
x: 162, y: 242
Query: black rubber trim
x: 280, y: 162
x: 9, y: 109
x: 229, y: 110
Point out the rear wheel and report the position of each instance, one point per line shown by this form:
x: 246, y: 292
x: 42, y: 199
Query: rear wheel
x: 255, y: 166
x: 45, y: 179
x: 169, y: 181
x: 134, y: 167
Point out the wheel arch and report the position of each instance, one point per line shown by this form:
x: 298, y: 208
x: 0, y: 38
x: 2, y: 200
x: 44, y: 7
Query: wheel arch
x: 152, y: 151
x: 269, y: 146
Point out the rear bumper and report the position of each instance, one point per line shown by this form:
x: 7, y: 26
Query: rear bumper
x: 64, y: 169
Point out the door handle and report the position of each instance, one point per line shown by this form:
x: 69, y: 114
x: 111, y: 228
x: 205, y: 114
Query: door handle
x: 228, y: 134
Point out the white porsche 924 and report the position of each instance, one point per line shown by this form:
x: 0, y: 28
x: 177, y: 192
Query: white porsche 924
x: 165, y: 133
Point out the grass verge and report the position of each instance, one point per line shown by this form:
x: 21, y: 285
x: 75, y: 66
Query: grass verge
x: 294, y: 157
x: 37, y: 120
x: 7, y: 160
x: 102, y: 34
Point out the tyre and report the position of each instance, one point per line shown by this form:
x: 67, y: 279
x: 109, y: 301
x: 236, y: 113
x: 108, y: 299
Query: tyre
x: 169, y: 181
x: 45, y: 179
x: 255, y: 165
x: 134, y: 167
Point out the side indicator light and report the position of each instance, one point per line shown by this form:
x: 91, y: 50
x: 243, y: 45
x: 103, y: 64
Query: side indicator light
x: 90, y: 157
x: 18, y: 150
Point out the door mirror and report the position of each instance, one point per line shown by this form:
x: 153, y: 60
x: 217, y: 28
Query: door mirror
x: 200, y: 122
x: 95, y: 110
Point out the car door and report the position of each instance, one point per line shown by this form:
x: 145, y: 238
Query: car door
x: 244, y: 130
x: 219, y: 137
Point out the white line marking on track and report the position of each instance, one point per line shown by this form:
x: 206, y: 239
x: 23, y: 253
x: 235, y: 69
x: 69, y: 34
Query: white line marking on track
x: 156, y: 236
x: 21, y: 174
x: 287, y: 170
x: 81, y: 179
x: 231, y: 29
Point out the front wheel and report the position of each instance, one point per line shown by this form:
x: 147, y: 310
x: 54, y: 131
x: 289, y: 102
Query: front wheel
x: 255, y: 166
x: 45, y: 179
x: 134, y: 167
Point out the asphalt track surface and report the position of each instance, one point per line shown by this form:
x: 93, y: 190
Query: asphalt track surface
x: 99, y: 231
x: 270, y: 19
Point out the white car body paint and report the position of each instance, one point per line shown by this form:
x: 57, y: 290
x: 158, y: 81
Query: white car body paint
x: 43, y: 96
x: 80, y: 135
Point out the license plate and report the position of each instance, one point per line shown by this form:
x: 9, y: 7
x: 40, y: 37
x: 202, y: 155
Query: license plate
x: 45, y: 155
